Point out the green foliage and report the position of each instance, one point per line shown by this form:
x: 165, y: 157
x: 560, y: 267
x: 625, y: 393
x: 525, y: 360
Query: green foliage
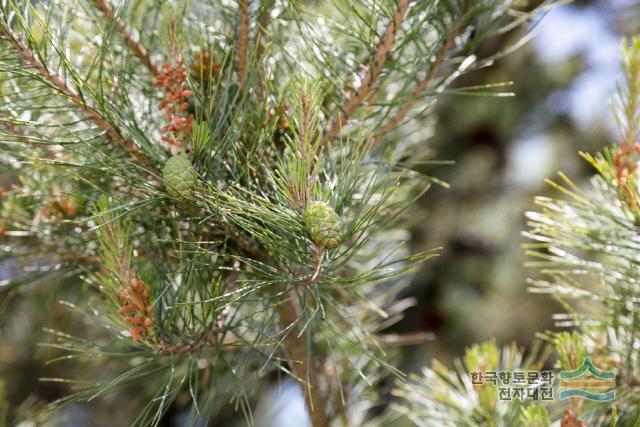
x: 587, y: 256
x: 586, y: 248
x: 534, y: 416
x: 296, y: 101
x: 448, y: 397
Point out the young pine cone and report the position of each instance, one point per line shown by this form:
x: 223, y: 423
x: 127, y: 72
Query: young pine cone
x: 323, y: 224
x: 179, y: 176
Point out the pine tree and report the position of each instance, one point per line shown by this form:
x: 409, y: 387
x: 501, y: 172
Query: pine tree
x: 228, y: 178
x: 585, y: 246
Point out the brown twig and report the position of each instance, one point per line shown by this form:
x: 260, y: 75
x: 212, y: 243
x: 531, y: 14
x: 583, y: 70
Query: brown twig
x: 245, y: 244
x: 367, y: 87
x: 399, y: 340
x: 93, y: 259
x: 54, y: 80
x: 211, y: 339
x: 422, y: 85
x: 138, y: 50
x: 302, y: 362
x: 243, y: 39
x: 295, y: 346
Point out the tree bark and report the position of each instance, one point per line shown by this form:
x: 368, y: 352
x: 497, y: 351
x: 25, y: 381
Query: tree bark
x: 302, y: 362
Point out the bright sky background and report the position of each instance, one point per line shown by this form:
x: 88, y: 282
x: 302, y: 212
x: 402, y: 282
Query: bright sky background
x: 564, y: 32
x: 569, y: 30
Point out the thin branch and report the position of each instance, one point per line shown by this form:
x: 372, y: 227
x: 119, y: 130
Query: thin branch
x: 211, y: 339
x: 422, y: 85
x: 302, y: 362
x: 243, y: 39
x: 28, y: 56
x: 367, y: 87
x: 399, y: 340
x: 92, y: 259
x: 244, y: 244
x: 138, y: 50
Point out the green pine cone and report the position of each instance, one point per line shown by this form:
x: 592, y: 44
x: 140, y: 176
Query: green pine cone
x: 179, y: 176
x: 323, y: 224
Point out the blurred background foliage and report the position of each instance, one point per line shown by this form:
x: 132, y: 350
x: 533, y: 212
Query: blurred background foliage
x: 503, y: 148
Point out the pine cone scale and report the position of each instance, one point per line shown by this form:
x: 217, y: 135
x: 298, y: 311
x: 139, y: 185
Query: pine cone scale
x: 180, y: 176
x: 323, y: 224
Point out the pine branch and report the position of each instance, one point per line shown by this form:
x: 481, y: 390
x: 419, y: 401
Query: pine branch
x: 211, y: 339
x: 422, y: 85
x: 244, y: 244
x: 54, y: 80
x: 243, y: 39
x: 367, y: 87
x: 139, y: 51
x: 302, y: 362
x: 93, y: 259
x: 226, y: 267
